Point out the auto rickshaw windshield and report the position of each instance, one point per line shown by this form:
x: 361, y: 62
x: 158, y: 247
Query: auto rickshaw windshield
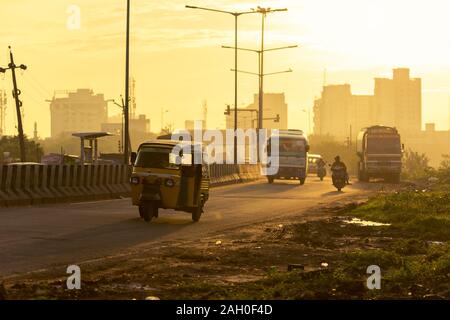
x: 160, y: 158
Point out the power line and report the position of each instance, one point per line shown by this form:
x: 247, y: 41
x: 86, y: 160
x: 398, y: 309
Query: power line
x: 37, y: 88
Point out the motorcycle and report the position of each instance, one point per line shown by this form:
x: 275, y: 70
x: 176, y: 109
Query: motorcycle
x: 339, y: 178
x: 321, y: 172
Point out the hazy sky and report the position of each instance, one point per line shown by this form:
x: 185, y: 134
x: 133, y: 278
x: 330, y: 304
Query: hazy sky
x: 177, y: 60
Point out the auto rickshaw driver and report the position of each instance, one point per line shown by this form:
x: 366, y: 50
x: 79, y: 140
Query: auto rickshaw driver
x: 166, y: 176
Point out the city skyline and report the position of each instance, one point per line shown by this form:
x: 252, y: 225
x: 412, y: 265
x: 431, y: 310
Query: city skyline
x: 174, y: 52
x: 172, y: 150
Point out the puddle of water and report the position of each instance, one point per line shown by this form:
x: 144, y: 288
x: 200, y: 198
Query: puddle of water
x: 132, y: 286
x: 366, y: 223
x: 242, y: 278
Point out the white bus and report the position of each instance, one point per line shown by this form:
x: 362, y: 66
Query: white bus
x: 293, y: 154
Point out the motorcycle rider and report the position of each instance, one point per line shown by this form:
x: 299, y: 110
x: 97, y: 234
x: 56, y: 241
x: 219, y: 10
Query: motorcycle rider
x: 320, y: 166
x: 320, y: 163
x: 339, y: 165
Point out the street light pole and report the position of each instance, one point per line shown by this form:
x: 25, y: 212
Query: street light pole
x: 235, y: 87
x: 264, y: 12
x: 236, y: 15
x: 260, y: 75
x: 126, y: 143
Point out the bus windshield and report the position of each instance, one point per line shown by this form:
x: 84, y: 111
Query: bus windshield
x: 384, y: 145
x: 160, y: 158
x: 292, y: 147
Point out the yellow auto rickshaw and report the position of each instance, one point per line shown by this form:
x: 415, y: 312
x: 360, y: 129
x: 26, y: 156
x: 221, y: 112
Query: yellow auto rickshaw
x: 167, y: 174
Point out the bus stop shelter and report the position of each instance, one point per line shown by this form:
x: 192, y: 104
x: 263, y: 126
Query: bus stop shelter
x: 89, y: 154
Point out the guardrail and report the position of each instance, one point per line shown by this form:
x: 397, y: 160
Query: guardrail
x: 28, y: 184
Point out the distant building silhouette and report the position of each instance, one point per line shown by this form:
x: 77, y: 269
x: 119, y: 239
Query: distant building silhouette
x: 138, y: 124
x: 274, y: 104
x: 434, y: 143
x: 339, y: 113
x: 396, y: 102
x: 79, y: 111
x: 190, y: 124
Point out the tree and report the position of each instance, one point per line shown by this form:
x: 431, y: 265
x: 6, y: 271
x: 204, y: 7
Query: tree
x: 445, y: 164
x: 415, y: 165
x: 10, y: 144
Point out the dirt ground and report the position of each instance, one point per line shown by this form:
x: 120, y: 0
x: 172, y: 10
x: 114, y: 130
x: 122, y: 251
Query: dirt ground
x: 316, y: 256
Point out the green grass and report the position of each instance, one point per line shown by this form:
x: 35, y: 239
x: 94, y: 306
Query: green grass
x: 416, y: 263
x: 425, y: 214
x: 279, y: 285
x: 425, y: 269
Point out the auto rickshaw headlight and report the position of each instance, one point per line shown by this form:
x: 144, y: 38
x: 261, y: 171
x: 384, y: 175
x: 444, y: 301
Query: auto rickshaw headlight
x: 169, y: 183
x: 134, y: 180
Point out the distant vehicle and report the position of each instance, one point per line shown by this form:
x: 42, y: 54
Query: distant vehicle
x: 380, y: 154
x: 293, y: 153
x: 321, y: 172
x: 339, y: 178
x: 56, y: 158
x: 312, y: 162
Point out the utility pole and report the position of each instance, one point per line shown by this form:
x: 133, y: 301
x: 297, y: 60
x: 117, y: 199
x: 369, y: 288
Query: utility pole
x: 126, y: 111
x: 122, y: 134
x: 163, y: 112
x: 35, y: 132
x: 205, y: 114
x: 133, y: 98
x: 16, y: 94
x: 2, y: 112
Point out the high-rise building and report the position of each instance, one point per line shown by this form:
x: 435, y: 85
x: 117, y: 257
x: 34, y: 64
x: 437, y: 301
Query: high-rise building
x: 341, y: 114
x: 79, y: 111
x: 139, y: 124
x: 274, y: 105
x: 396, y: 102
x: 190, y: 124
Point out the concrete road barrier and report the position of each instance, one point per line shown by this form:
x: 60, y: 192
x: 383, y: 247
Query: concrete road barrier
x: 34, y: 184
x: 229, y: 173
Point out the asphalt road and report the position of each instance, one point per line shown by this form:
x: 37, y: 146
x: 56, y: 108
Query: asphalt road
x: 33, y: 238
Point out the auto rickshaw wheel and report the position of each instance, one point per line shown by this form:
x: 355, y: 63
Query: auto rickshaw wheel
x: 197, y: 211
x: 141, y: 211
x: 148, y: 211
